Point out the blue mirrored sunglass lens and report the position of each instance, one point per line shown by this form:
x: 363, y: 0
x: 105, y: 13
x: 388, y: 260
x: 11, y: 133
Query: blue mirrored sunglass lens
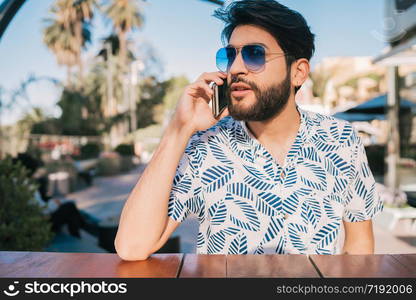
x: 224, y: 58
x: 254, y: 56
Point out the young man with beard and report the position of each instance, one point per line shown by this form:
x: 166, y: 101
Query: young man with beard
x: 267, y: 176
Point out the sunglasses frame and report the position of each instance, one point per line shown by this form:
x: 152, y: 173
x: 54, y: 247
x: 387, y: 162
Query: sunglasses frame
x: 239, y: 50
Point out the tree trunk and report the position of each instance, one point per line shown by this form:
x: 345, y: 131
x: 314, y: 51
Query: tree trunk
x: 123, y: 50
x: 78, y: 34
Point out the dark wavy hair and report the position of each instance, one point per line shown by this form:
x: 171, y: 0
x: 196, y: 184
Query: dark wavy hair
x: 287, y: 26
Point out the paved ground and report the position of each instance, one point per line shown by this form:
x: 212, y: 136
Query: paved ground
x: 105, y: 200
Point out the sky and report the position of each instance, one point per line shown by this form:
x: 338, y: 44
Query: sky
x: 183, y: 34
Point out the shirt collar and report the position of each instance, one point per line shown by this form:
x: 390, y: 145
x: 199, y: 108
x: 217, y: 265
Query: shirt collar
x: 256, y: 148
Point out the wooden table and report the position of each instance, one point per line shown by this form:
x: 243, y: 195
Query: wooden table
x: 53, y: 264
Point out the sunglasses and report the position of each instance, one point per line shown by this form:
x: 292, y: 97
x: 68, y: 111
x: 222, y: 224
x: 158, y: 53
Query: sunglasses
x: 254, y: 57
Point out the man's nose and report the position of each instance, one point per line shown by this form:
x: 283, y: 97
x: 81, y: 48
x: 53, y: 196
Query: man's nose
x: 238, y: 66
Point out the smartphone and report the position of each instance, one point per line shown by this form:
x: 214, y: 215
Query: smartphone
x: 219, y: 98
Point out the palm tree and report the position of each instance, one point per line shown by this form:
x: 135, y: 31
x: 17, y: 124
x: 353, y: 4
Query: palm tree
x: 126, y: 16
x: 81, y: 20
x: 59, y: 39
x: 68, y: 32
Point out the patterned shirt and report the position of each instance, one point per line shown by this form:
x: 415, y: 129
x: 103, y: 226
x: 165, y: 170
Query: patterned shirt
x: 247, y: 203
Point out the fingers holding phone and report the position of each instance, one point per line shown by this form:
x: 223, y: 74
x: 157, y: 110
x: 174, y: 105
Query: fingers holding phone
x: 193, y: 110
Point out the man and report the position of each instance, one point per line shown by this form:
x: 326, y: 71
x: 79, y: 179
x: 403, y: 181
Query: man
x: 268, y: 177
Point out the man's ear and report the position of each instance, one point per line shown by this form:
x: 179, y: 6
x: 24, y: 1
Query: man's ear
x: 300, y: 71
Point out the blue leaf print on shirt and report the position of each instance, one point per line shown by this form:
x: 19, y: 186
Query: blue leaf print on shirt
x: 298, y: 236
x: 333, y: 129
x: 354, y: 216
x: 360, y: 188
x: 230, y: 231
x: 369, y: 200
x: 340, y: 184
x: 316, y: 179
x: 195, y: 203
x: 218, y: 213
x: 322, y: 134
x: 239, y: 244
x: 269, y: 204
x: 216, y: 177
x: 311, y: 154
x: 256, y: 179
x: 258, y: 184
x: 259, y: 249
x: 198, y: 156
x: 291, y: 203
x: 200, y: 240
x: 251, y: 220
x: 326, y: 235
x: 216, y: 241
x: 218, y: 151
x: 270, y: 170
x: 182, y: 184
x: 329, y: 209
x: 330, y: 167
x: 274, y: 228
x: 297, y: 145
x: 280, y: 248
x: 311, y: 211
x: 321, y: 251
x: 176, y: 208
x: 291, y: 177
x: 254, y: 172
x: 241, y: 190
x: 346, y: 134
x: 323, y: 145
x: 365, y: 170
x: 240, y: 144
x: 341, y: 165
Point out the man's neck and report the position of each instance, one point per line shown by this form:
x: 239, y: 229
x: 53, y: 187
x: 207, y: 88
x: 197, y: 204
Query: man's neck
x: 278, y: 129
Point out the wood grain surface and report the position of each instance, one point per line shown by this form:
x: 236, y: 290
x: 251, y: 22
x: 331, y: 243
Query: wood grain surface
x: 277, y: 266
x: 203, y: 266
x: 51, y: 264
x: 358, y: 266
x: 79, y: 265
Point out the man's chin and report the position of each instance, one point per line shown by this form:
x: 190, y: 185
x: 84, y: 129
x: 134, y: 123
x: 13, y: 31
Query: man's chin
x: 241, y: 113
x: 243, y: 101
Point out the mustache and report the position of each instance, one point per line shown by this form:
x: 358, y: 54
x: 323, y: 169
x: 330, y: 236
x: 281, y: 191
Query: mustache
x: 235, y: 79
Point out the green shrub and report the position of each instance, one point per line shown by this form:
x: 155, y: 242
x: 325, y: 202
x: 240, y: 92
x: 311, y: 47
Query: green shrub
x: 23, y: 227
x: 125, y: 150
x: 90, y: 150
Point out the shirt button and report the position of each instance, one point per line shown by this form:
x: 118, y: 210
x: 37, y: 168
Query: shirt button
x: 282, y: 175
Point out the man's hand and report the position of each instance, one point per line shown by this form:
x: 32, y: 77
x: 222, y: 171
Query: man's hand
x: 359, y: 238
x: 193, y: 112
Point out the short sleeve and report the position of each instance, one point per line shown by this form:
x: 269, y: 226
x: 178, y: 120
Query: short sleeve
x: 362, y: 199
x: 185, y: 193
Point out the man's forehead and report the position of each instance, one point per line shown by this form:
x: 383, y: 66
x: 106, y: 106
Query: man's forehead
x: 251, y: 34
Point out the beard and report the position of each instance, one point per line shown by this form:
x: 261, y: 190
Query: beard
x: 269, y: 102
